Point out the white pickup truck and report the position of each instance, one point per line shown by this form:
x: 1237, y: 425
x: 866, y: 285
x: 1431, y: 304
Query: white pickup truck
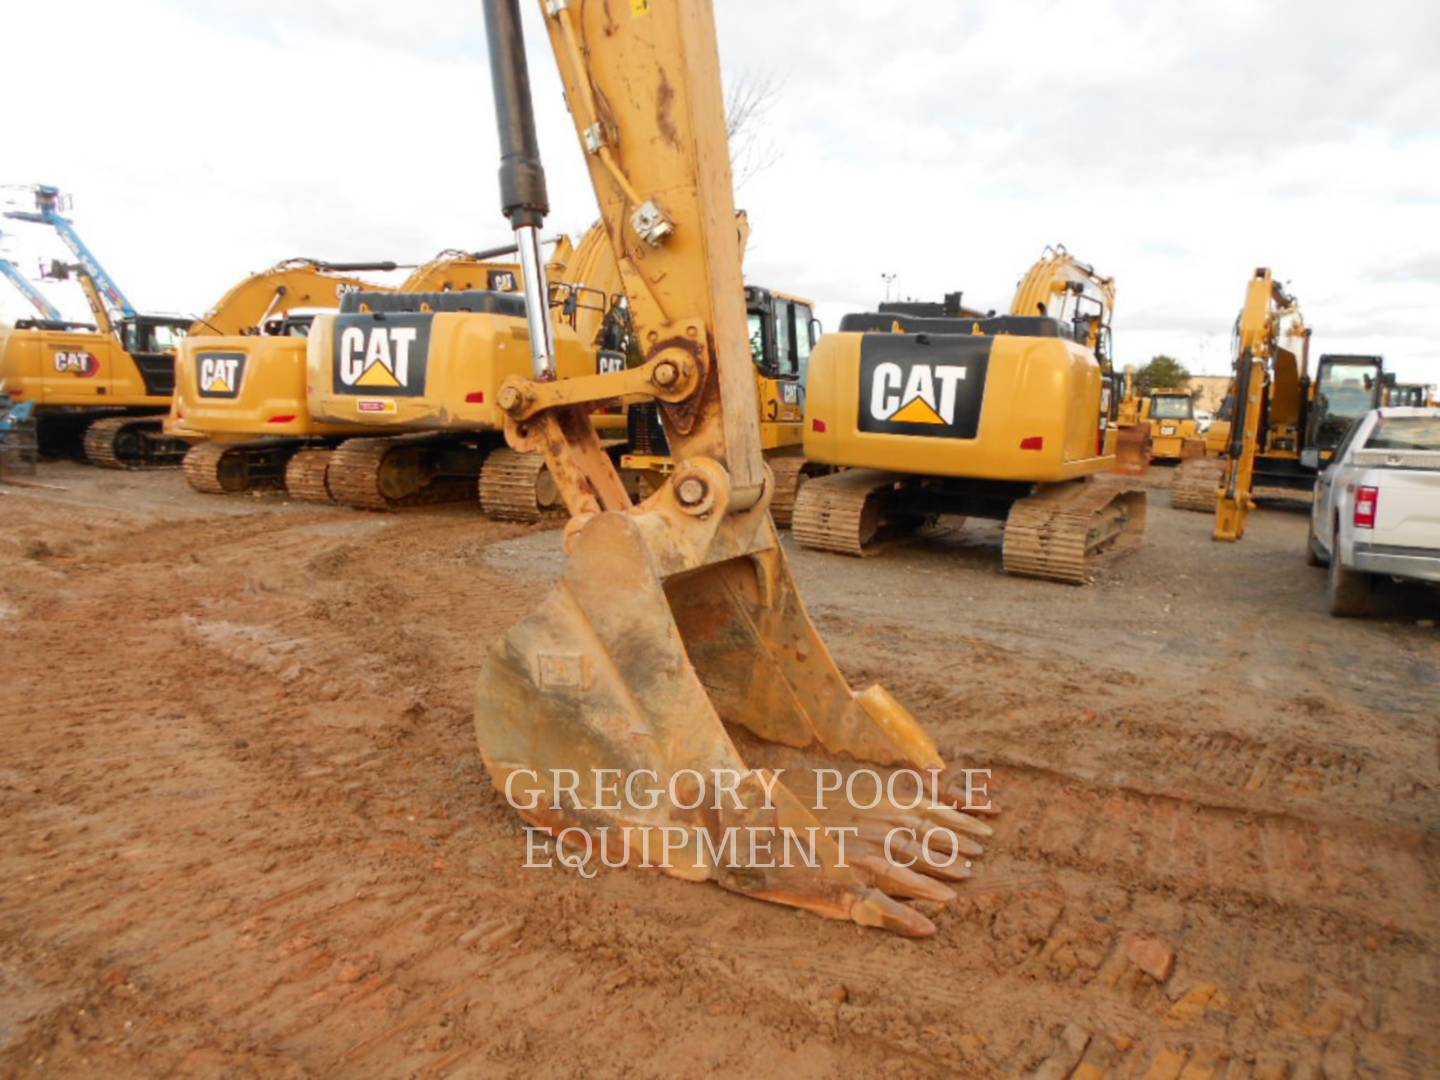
x: 1377, y: 506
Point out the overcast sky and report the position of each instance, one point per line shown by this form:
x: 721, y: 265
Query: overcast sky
x: 1174, y: 145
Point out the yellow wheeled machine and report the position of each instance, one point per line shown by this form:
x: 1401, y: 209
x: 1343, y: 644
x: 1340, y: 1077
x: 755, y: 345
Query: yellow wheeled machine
x: 679, y: 613
x: 1004, y: 417
x: 1169, y: 412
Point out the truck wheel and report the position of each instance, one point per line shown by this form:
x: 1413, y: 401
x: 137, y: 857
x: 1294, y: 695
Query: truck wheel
x: 1313, y: 554
x: 1350, y: 592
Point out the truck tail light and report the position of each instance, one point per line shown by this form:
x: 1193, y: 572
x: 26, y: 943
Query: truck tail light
x: 1367, y: 505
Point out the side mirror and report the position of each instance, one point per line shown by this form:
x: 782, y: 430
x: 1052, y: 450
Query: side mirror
x: 1310, y: 459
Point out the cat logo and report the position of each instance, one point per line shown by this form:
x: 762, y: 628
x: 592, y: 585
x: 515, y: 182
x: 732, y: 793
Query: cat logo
x: 381, y: 353
x: 502, y: 281
x: 609, y: 362
x: 82, y: 364
x: 923, y: 395
x: 219, y: 374
x: 790, y: 393
x: 914, y: 386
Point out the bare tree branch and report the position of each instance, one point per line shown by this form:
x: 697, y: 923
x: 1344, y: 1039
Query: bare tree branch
x: 752, y: 151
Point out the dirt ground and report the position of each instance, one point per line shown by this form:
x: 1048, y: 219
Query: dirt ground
x: 247, y: 832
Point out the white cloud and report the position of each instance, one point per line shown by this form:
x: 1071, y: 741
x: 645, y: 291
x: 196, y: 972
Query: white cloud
x: 1176, y: 146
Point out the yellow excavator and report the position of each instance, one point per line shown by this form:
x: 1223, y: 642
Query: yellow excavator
x: 246, y: 395
x: 99, y: 391
x: 1282, y: 425
x: 1264, y: 416
x: 680, y: 612
x: 416, y: 379
x: 1005, y: 418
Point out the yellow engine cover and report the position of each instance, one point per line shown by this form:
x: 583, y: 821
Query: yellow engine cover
x: 67, y: 367
x: 424, y: 371
x: 1001, y: 407
x: 243, y: 387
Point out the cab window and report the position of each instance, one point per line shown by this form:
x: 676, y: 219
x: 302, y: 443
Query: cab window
x: 804, y: 342
x: 785, y: 339
x: 163, y: 338
x: 1348, y: 390
x: 1171, y: 407
x: 757, y: 339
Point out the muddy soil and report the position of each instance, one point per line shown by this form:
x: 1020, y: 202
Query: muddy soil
x: 247, y: 832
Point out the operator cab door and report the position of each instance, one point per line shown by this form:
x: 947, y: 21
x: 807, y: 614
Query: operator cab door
x: 152, y: 344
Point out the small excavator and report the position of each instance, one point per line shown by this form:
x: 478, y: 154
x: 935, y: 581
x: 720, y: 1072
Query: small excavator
x: 101, y: 388
x: 1268, y: 398
x: 679, y: 613
x: 1282, y: 426
x: 1003, y: 417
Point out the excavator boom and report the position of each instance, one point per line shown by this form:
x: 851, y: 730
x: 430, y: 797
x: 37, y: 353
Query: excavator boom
x: 286, y: 286
x: 681, y: 612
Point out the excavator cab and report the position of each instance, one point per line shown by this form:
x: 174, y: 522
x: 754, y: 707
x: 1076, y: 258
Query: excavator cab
x: 1346, y: 388
x: 783, y: 331
x: 153, y: 340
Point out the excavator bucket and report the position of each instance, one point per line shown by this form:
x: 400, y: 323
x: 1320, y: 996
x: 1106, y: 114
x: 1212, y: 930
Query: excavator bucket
x: 632, y: 666
x: 1132, y: 449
